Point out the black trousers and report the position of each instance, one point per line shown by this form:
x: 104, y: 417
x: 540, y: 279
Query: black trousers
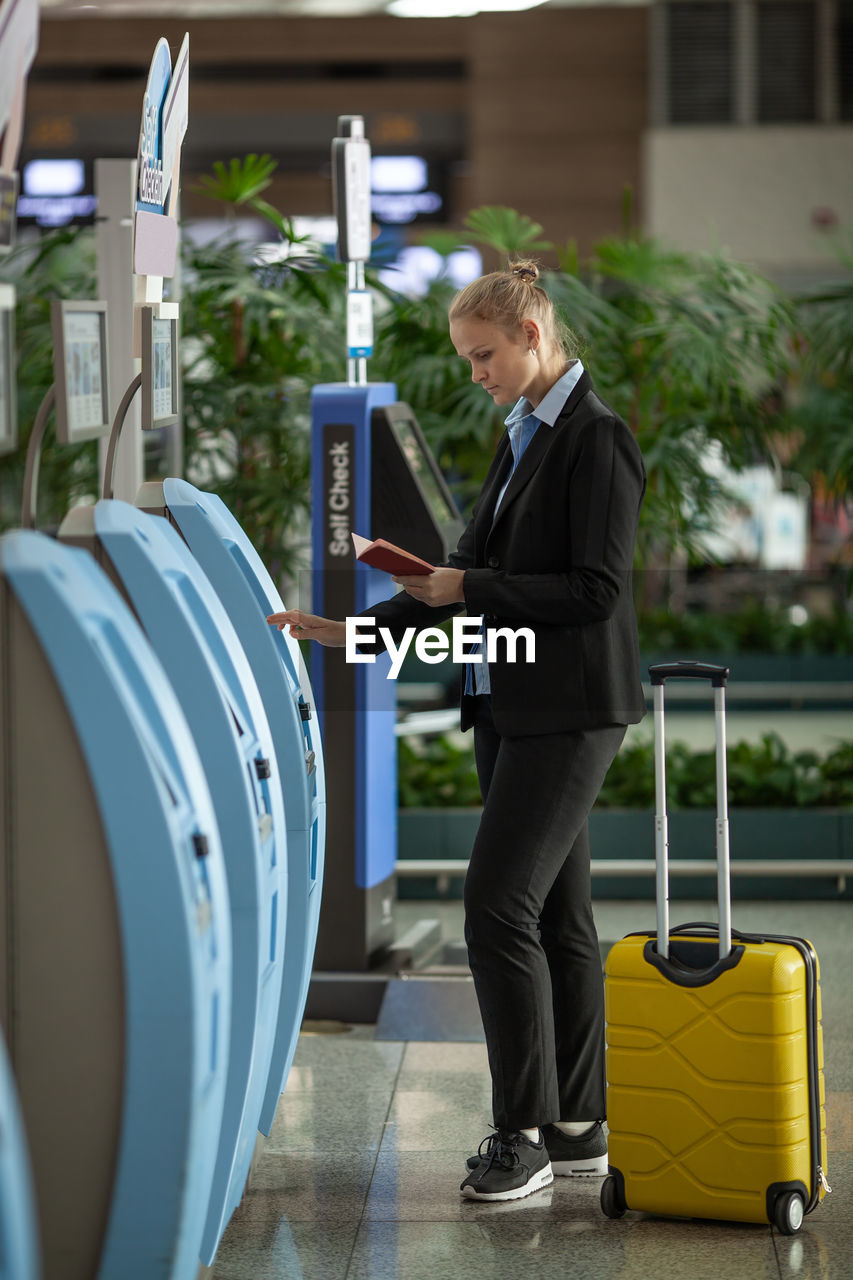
x: 531, y: 937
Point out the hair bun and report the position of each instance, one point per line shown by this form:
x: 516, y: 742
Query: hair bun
x: 526, y: 271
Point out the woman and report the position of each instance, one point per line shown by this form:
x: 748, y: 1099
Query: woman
x: 549, y: 547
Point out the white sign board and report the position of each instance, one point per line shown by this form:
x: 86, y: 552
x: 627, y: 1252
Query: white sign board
x: 351, y: 190
x: 19, y: 28
x: 164, y: 123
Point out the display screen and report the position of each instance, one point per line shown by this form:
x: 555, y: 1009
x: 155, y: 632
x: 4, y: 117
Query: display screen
x: 421, y: 466
x: 84, y: 372
x: 80, y: 370
x: 159, y: 370
x: 164, y: 386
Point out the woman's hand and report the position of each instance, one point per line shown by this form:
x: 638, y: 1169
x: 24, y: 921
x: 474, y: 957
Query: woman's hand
x: 442, y: 586
x: 308, y: 626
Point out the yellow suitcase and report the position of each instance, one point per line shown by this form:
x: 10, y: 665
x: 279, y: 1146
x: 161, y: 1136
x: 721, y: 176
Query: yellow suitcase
x: 715, y: 1090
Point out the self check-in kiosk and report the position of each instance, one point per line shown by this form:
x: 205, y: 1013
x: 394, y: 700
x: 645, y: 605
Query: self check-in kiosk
x: 19, y: 1249
x: 248, y: 594
x: 373, y: 474
x: 201, y: 654
x: 115, y: 984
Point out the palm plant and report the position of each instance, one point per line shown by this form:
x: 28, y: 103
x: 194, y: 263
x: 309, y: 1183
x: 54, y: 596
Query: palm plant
x: 688, y: 349
x: 820, y: 400
x: 259, y: 333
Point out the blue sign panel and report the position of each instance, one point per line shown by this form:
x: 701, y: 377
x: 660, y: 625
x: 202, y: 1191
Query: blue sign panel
x: 362, y: 699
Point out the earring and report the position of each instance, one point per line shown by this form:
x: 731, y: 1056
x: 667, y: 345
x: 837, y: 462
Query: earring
x: 532, y: 351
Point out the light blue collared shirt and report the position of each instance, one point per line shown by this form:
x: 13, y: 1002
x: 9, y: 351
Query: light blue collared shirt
x: 522, y: 424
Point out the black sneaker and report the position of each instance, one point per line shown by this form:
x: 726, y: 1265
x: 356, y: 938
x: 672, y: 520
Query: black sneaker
x: 510, y: 1167
x: 582, y: 1157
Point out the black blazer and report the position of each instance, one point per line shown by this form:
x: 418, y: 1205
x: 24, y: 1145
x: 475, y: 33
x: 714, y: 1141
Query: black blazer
x: 557, y: 559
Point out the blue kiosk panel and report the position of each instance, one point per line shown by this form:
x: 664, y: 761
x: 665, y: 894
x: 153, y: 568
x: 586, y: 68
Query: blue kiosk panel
x: 196, y: 642
x: 248, y: 594
x: 19, y: 1251
x: 171, y: 898
x: 357, y: 702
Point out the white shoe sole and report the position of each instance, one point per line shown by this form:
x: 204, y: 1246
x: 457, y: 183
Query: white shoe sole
x: 595, y: 1168
x: 543, y: 1178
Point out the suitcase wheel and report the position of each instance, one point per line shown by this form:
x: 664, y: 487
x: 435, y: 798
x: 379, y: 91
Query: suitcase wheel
x: 788, y: 1212
x: 612, y: 1204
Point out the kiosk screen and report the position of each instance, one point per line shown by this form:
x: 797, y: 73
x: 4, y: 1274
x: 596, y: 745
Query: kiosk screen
x: 411, y: 503
x: 159, y: 371
x: 422, y: 464
x: 8, y: 414
x: 80, y: 370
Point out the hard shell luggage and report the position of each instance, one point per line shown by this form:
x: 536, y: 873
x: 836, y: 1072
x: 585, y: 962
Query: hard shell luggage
x: 715, y: 1090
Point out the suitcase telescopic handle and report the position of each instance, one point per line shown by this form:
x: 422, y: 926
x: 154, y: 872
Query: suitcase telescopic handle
x: 659, y: 674
x: 663, y: 671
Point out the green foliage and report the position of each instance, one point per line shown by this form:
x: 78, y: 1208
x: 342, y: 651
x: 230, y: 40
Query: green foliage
x: 258, y: 335
x: 60, y: 265
x: 754, y: 629
x: 767, y: 774
x: 820, y: 406
x: 691, y: 349
x: 413, y: 350
x: 436, y: 773
x: 687, y: 348
x: 510, y: 233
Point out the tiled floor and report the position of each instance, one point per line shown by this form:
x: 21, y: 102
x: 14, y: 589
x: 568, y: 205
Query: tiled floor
x: 360, y: 1178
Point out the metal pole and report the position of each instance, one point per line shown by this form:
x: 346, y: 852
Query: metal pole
x: 661, y: 827
x: 115, y: 436
x: 724, y: 890
x: 31, y: 471
x: 115, y: 185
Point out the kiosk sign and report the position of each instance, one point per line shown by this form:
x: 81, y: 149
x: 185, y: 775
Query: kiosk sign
x: 165, y: 114
x: 19, y: 25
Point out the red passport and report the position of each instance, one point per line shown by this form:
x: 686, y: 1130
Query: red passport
x: 384, y: 555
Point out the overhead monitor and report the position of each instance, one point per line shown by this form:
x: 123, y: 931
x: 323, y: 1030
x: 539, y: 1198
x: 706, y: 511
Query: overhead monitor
x: 8, y: 411
x: 159, y: 371
x: 80, y: 370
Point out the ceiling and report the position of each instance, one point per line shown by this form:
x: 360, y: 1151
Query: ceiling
x: 287, y: 8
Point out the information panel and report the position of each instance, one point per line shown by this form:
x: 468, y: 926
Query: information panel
x: 80, y: 370
x: 159, y: 370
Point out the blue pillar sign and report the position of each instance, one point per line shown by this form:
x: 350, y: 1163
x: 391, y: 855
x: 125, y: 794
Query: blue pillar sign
x: 19, y: 26
x: 164, y: 123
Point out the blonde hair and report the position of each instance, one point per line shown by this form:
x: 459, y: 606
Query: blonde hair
x: 508, y: 298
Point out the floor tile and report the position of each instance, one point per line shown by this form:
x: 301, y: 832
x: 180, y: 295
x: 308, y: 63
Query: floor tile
x: 265, y: 1246
x: 839, y: 1122
x: 455, y: 1119
x: 440, y: 1066
x: 423, y: 1186
x: 820, y: 1251
x: 360, y: 1179
x: 837, y: 1058
x: 331, y: 1119
x: 338, y: 1060
x: 312, y: 1186
x: 569, y: 1248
